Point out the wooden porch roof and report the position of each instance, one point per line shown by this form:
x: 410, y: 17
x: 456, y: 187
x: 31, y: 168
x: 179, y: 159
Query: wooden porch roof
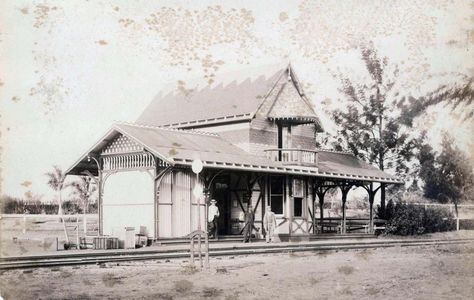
x: 181, y: 147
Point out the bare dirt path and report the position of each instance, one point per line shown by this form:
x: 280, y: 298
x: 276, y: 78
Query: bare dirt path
x: 435, y: 272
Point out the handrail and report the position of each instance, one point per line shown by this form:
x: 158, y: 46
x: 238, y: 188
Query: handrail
x: 291, y: 149
x: 293, y: 156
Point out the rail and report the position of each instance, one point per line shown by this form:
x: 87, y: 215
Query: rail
x: 121, y: 256
x: 293, y: 156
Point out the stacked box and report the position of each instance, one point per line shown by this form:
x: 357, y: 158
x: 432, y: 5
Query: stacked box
x: 104, y: 242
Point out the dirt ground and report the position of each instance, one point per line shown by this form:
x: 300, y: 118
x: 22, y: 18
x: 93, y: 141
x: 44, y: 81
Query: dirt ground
x: 39, y: 237
x: 431, y: 272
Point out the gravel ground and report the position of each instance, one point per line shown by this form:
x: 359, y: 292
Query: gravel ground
x: 431, y: 272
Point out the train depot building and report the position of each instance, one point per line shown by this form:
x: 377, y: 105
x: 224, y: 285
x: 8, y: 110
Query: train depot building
x: 256, y: 140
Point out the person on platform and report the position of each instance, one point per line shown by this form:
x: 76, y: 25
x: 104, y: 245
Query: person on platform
x: 212, y: 216
x: 269, y: 223
x: 249, y: 219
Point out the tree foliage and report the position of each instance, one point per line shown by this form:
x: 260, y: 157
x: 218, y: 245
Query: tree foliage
x: 449, y: 176
x: 458, y: 93
x: 83, y: 189
x: 56, y: 180
x: 369, y: 125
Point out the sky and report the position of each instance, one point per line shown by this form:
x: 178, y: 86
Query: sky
x: 69, y: 69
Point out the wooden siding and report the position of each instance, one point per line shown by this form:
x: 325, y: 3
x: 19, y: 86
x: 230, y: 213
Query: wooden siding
x: 177, y: 206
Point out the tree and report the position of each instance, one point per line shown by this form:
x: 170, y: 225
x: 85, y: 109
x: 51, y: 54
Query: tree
x: 83, y: 190
x: 56, y: 180
x: 450, y: 179
x: 461, y: 92
x: 369, y: 126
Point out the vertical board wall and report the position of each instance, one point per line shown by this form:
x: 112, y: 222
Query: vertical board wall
x: 177, y: 206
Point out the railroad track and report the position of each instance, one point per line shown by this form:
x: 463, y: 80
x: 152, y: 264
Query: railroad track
x: 8, y: 263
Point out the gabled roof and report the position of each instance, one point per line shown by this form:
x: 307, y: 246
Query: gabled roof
x: 289, y: 103
x: 181, y: 147
x: 274, y: 92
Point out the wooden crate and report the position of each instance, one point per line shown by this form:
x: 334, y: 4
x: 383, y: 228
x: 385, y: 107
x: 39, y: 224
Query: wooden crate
x: 105, y: 242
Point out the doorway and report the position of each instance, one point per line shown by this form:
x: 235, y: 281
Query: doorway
x: 221, y: 193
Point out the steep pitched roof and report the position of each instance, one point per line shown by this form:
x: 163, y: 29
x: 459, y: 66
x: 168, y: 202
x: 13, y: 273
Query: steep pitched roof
x: 276, y: 94
x: 237, y: 99
x: 181, y: 147
x: 287, y: 102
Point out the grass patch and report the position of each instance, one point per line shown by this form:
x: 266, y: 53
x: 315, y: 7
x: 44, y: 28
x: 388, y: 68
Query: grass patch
x: 210, y: 292
x: 110, y: 280
x: 161, y: 296
x: 346, y: 270
x: 189, y: 270
x: 183, y: 286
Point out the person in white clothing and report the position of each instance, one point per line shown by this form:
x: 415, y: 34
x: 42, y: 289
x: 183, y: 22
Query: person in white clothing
x: 212, y: 216
x: 269, y: 223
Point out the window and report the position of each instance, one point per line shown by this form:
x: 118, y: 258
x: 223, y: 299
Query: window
x: 277, y: 194
x: 298, y: 207
x: 298, y: 188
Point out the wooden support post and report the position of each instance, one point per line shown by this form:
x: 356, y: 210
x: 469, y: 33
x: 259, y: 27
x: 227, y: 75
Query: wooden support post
x: 321, y: 210
x: 370, y: 190
x: 289, y: 203
x: 344, y: 198
x: 192, y: 251
x: 371, y: 212
x: 77, y: 232
x: 314, y: 208
x: 207, y: 249
x: 345, y: 190
x: 100, y: 203
x: 321, y: 192
x: 84, y: 223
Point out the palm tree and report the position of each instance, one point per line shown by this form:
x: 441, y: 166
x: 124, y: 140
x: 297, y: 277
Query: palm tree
x: 56, y: 182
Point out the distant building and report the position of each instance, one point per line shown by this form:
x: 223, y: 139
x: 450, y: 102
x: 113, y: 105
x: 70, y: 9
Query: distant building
x: 256, y: 140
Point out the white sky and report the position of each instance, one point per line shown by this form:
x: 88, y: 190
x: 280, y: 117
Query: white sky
x: 70, y: 68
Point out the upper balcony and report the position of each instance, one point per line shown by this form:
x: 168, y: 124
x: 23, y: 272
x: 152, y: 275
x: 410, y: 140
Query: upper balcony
x: 293, y: 156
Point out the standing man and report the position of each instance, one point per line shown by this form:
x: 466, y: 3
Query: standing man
x: 212, y: 216
x: 269, y: 223
x: 249, y: 219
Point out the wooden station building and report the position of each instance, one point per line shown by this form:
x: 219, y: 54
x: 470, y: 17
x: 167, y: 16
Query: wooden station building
x: 256, y: 139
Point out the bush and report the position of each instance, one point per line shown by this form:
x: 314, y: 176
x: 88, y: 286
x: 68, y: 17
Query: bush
x: 12, y: 205
x: 466, y: 224
x: 409, y: 219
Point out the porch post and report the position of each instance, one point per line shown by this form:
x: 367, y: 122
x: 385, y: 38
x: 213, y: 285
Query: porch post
x: 345, y: 190
x: 261, y: 183
x: 321, y: 209
x: 371, y: 208
x: 99, y: 191
x: 313, y: 195
x: 289, y: 203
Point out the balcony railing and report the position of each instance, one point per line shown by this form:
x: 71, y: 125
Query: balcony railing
x: 293, y: 156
